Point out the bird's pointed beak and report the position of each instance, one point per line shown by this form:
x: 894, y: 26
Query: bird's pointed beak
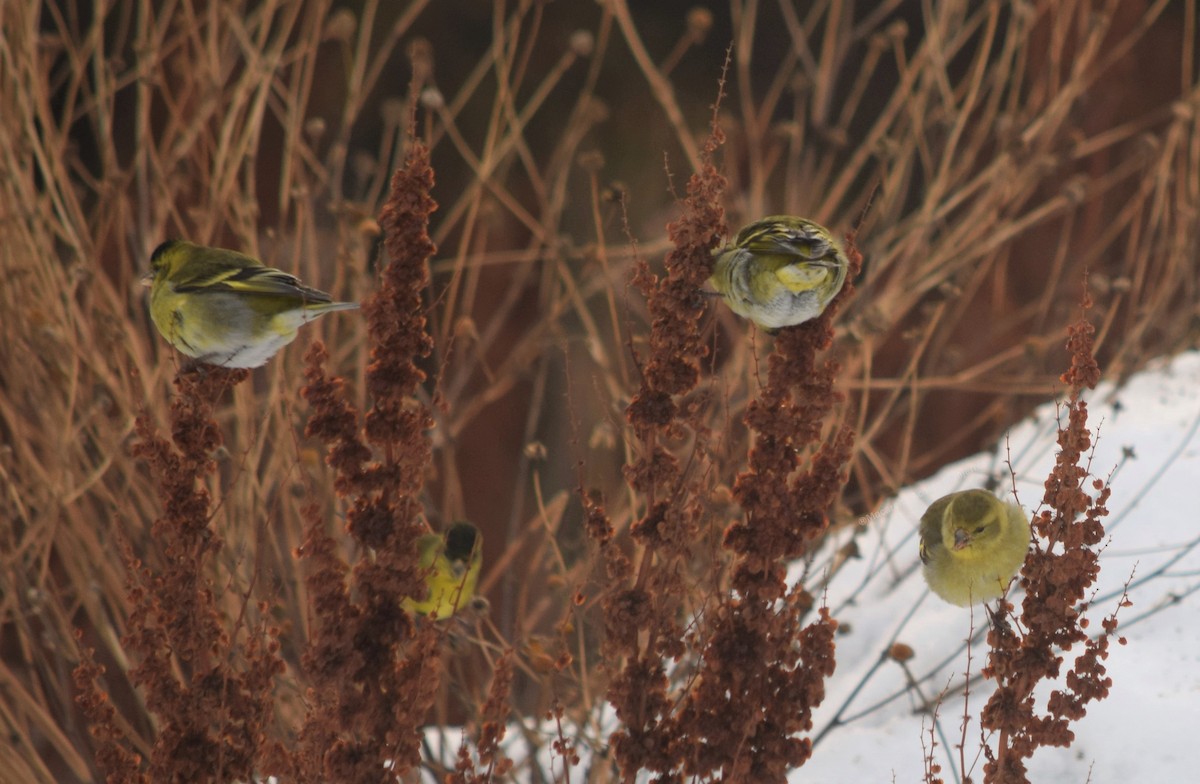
x: 961, y: 539
x: 148, y: 279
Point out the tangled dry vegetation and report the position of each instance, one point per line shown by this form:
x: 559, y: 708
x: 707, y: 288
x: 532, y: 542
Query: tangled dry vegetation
x: 202, y: 570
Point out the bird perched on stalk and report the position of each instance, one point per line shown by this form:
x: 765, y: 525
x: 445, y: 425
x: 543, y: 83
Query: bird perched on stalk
x: 972, y: 544
x: 780, y: 271
x: 451, y: 561
x: 225, y: 308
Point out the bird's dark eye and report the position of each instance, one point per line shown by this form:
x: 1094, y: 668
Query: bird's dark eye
x: 980, y: 529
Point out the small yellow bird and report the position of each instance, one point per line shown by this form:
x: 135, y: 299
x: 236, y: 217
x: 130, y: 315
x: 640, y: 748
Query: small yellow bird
x: 972, y: 544
x: 452, y: 561
x: 780, y: 271
x: 225, y: 308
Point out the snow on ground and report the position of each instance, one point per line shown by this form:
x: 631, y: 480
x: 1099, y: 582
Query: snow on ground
x: 1148, y: 443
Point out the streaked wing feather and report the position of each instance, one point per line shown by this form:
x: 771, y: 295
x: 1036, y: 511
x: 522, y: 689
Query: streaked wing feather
x: 258, y: 280
x: 793, y: 242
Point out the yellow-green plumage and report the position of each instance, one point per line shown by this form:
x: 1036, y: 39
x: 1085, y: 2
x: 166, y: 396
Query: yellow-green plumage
x: 972, y: 544
x: 225, y: 308
x: 451, y: 561
x: 780, y: 271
